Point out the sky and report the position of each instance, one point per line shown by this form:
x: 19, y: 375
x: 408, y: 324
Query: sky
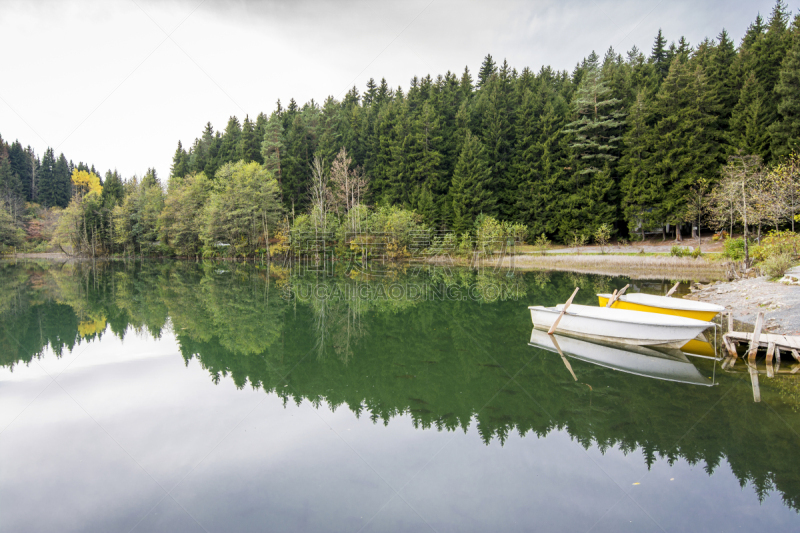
x: 118, y: 83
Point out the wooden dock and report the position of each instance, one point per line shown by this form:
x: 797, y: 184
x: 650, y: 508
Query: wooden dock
x: 775, y: 345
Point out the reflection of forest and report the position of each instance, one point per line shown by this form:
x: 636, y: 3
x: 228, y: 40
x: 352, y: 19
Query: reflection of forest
x: 446, y: 363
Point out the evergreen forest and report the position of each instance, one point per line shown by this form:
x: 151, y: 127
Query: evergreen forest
x: 637, y: 141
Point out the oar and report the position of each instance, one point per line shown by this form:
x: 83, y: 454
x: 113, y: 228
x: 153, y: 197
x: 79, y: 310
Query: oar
x: 563, y: 310
x: 566, y: 363
x: 673, y: 289
x: 616, y: 295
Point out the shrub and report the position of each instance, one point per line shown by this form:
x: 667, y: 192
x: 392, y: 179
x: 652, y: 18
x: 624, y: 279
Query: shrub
x: 516, y: 231
x: 777, y: 243
x: 776, y: 265
x: 489, y: 234
x: 465, y: 247
x: 542, y: 243
x: 696, y: 253
x: 734, y: 249
x: 578, y: 239
x: 400, y: 230
x: 679, y: 251
x: 602, y: 235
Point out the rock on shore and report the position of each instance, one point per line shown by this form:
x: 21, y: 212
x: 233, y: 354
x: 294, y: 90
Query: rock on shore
x: 746, y: 297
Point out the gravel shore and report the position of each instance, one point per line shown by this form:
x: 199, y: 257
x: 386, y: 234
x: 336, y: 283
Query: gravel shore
x: 746, y: 297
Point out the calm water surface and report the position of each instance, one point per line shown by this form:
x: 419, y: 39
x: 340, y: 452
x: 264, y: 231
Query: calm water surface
x: 218, y: 397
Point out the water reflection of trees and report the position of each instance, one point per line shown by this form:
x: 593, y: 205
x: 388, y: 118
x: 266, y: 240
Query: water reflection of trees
x: 446, y: 363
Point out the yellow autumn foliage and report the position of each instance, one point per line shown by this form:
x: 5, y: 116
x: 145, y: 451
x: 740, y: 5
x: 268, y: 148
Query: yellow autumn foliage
x: 84, y: 182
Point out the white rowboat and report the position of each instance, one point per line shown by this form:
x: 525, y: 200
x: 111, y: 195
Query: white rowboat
x: 619, y: 325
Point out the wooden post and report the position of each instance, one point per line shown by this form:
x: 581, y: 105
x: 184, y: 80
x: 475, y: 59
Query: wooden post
x: 730, y: 346
x: 770, y: 353
x: 563, y: 310
x: 616, y: 295
x: 673, y: 289
x: 796, y: 355
x: 756, y: 335
x: 754, y: 381
x: 730, y: 321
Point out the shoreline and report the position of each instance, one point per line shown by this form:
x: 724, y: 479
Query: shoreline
x: 641, y: 267
x: 632, y: 266
x: 746, y: 297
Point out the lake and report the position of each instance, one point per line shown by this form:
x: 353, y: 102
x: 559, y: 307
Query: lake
x: 181, y: 396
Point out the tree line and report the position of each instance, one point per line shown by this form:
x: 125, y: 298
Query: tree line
x: 635, y: 141
x: 622, y: 139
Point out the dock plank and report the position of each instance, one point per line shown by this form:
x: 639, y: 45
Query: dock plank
x: 786, y: 342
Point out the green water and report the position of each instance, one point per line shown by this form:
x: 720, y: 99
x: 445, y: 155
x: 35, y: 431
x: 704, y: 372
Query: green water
x: 232, y: 397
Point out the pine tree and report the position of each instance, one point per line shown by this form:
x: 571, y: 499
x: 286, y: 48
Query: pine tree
x: 389, y: 184
x: 540, y: 158
x: 249, y: 144
x: 21, y: 166
x: 785, y: 132
x: 370, y: 93
x: 722, y: 79
x: 426, y: 207
x: 113, y: 191
x: 595, y: 147
x: 600, y: 121
x: 640, y: 195
x: 423, y: 157
x: 488, y: 69
x: 260, y: 127
x: 659, y: 56
x: 272, y: 146
x: 749, y: 122
x: 62, y: 182
x: 203, y: 152
x: 229, y: 148
x: 150, y: 179
x: 493, y: 107
x: 470, y: 194
x: 11, y: 189
x: 180, y: 163
x: 384, y: 93
x: 764, y: 58
x: 683, y: 143
x: 465, y: 85
x: 47, y: 193
x: 330, y: 137
x: 301, y: 145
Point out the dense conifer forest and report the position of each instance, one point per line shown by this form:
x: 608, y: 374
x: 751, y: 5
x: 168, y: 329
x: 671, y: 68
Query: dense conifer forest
x: 635, y: 140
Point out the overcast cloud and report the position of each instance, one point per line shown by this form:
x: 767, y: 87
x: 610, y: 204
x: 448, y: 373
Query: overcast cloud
x: 118, y: 83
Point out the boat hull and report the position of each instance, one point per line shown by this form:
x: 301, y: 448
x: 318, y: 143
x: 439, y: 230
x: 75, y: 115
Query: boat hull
x: 705, y: 316
x: 639, y: 333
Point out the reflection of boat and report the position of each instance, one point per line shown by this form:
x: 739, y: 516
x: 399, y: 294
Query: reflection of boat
x: 668, y: 365
x: 619, y: 325
x: 699, y: 348
x: 664, y: 305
